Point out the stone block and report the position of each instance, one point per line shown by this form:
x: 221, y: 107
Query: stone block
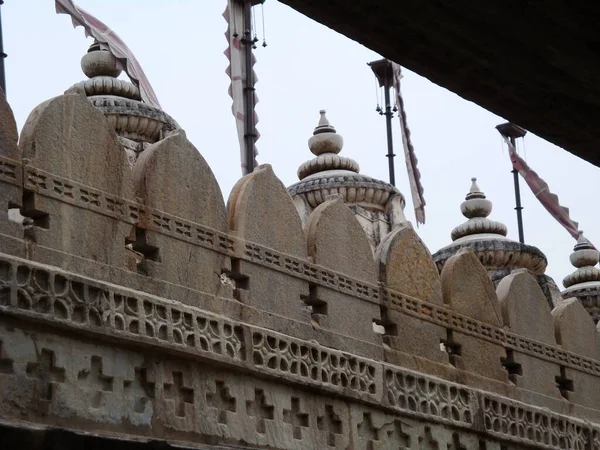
x: 262, y: 212
x: 185, y: 221
x: 406, y: 267
x: 468, y: 291
x: 11, y: 193
x: 75, y: 173
x: 337, y: 242
x: 575, y: 332
x: 525, y: 312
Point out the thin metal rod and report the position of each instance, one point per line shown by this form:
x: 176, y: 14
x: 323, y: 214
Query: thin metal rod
x: 518, y: 208
x: 2, y: 54
x: 250, y: 131
x: 388, y: 125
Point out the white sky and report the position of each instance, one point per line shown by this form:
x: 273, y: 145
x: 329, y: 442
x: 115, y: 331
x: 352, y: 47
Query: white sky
x: 306, y: 67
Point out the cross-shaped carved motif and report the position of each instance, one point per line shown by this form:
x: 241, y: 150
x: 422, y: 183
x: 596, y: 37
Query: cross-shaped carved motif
x: 295, y: 418
x: 396, y: 435
x: 143, y: 251
x: 456, y: 444
x: 241, y: 280
x: 513, y: 368
x: 141, y: 388
x: 331, y: 424
x: 452, y: 347
x: 46, y: 374
x: 260, y: 410
x: 565, y: 384
x: 318, y: 307
x: 6, y: 364
x: 94, y: 380
x: 179, y: 394
x: 222, y: 401
x: 366, y: 430
x: 427, y: 441
x: 33, y: 217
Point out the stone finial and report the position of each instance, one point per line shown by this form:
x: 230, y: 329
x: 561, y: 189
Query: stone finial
x: 377, y: 205
x: 98, y: 62
x: 325, y: 143
x: 584, y: 258
x: 487, y: 238
x: 136, y: 123
x: 102, y: 69
x: 477, y: 208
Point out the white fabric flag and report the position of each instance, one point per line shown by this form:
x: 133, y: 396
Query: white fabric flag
x: 414, y: 176
x: 109, y: 40
x: 234, y: 15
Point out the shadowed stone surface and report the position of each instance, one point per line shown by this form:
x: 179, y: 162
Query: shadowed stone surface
x: 70, y: 139
x: 173, y: 177
x: 406, y: 266
x: 337, y: 241
x: 261, y: 211
x: 575, y: 332
x: 525, y: 310
x: 467, y: 289
x: 11, y: 194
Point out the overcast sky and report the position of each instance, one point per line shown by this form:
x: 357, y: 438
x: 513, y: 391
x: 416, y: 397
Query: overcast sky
x: 305, y: 67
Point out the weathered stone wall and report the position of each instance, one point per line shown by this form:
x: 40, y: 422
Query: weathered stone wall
x: 135, y: 304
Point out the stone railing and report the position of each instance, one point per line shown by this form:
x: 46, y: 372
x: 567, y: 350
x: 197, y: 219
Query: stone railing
x: 133, y: 302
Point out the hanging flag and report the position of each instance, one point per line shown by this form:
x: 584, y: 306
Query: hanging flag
x: 414, y: 176
x: 234, y: 16
x: 541, y: 191
x: 109, y: 40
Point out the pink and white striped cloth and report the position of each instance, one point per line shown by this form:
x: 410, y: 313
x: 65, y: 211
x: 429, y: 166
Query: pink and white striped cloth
x: 541, y: 191
x: 414, y: 176
x: 234, y: 15
x: 110, y: 41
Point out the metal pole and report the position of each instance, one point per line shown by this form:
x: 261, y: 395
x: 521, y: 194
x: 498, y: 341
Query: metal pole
x: 511, y: 132
x: 250, y: 132
x: 2, y: 54
x: 518, y: 208
x: 383, y: 71
x: 390, y: 144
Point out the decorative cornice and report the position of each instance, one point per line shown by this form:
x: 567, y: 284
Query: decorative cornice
x: 107, y: 86
x: 354, y: 188
x: 495, y: 253
x: 133, y: 119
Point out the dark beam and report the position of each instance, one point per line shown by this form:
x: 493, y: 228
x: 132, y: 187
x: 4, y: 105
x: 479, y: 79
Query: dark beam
x: 533, y: 63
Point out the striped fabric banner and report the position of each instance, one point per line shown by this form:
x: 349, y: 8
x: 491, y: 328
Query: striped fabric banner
x: 414, y: 176
x: 109, y: 40
x: 541, y: 191
x: 236, y: 70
